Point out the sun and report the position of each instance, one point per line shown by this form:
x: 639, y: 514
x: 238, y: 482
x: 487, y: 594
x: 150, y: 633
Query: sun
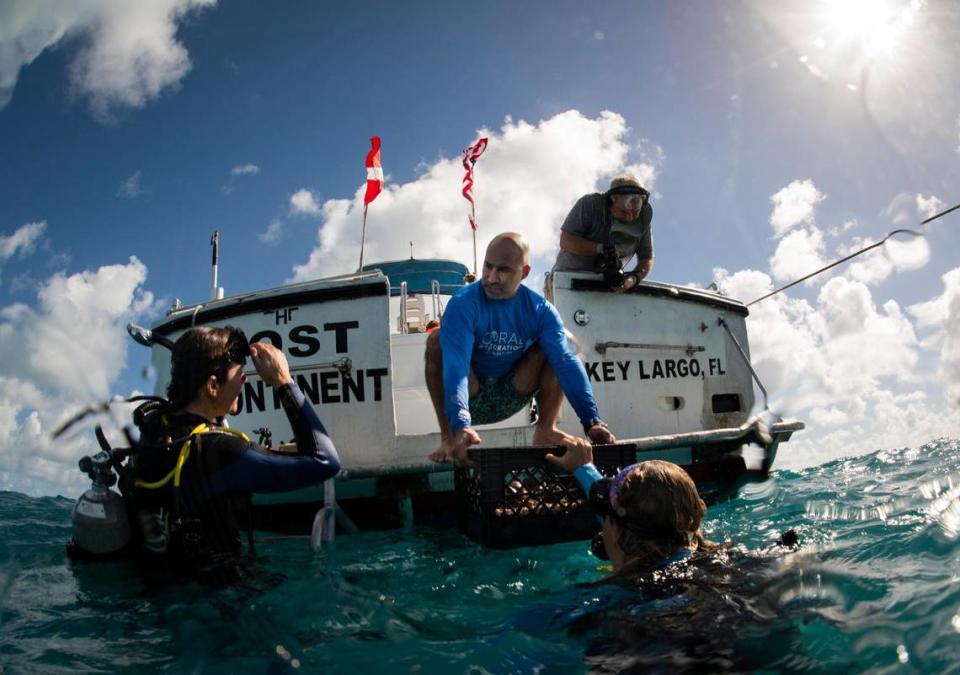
x: 877, y: 26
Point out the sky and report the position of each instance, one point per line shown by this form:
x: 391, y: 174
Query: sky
x: 775, y: 137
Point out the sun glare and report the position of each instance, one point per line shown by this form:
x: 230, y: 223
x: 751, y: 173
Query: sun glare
x: 876, y: 25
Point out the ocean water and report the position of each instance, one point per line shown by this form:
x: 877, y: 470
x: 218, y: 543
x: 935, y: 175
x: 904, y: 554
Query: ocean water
x: 873, y: 587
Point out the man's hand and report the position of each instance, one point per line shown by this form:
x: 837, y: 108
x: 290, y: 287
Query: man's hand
x: 578, y: 453
x: 600, y: 435
x: 271, y: 364
x: 455, y: 449
x: 629, y: 281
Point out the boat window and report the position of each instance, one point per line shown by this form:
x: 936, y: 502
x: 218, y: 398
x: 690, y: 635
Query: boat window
x: 726, y: 403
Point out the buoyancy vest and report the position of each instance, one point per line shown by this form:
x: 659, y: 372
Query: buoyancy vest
x: 178, y: 513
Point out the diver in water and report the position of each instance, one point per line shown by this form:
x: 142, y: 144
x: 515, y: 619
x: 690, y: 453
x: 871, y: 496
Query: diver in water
x: 651, y: 511
x: 193, y: 475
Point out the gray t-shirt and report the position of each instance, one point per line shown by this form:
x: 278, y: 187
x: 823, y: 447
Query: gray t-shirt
x: 591, y: 219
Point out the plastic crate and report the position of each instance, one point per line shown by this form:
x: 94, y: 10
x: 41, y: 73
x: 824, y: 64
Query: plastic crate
x: 514, y: 497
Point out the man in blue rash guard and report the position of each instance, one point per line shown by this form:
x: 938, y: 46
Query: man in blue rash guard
x: 223, y: 468
x: 499, y: 344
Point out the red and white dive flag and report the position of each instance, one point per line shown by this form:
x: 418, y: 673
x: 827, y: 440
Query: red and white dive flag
x: 374, y: 172
x: 470, y: 156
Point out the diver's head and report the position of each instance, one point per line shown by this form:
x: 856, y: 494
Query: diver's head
x: 651, y: 511
x: 207, y: 367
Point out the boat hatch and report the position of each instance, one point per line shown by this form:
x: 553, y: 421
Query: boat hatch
x: 419, y: 275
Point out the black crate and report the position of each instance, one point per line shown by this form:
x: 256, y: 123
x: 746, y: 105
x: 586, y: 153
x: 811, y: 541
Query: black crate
x: 514, y: 497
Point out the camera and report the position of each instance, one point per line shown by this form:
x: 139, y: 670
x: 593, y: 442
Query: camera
x: 609, y: 265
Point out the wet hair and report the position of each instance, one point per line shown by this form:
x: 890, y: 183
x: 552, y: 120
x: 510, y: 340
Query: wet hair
x: 661, y: 512
x: 198, y: 354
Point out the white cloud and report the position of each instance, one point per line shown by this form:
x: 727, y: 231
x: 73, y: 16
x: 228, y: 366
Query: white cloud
x: 798, y: 254
x: 556, y: 161
x: 828, y: 417
x: 843, y: 227
x: 902, y: 209
x: 848, y: 364
x: 793, y: 205
x: 871, y: 268
x: 71, y: 342
x: 128, y: 52
x: 929, y: 206
x: 302, y: 202
x: 901, y: 253
x: 245, y: 170
x: 888, y: 420
x: 272, y: 234
x: 130, y: 187
x: 941, y: 315
x: 58, y: 358
x: 239, y: 170
x: 836, y: 364
x: 22, y: 241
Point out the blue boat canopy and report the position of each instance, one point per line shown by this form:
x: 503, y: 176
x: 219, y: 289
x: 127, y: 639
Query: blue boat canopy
x: 419, y: 275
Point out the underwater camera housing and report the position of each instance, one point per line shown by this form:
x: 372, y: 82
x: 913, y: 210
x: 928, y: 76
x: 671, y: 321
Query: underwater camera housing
x: 101, y: 526
x: 610, y: 268
x: 598, y: 501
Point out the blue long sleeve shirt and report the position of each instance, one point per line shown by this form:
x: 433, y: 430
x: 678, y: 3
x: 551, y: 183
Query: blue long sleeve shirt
x: 492, y: 335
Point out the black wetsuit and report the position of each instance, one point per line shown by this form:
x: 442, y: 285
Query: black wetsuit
x: 212, y: 503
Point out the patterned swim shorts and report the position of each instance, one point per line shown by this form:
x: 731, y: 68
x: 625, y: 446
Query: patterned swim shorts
x: 497, y: 400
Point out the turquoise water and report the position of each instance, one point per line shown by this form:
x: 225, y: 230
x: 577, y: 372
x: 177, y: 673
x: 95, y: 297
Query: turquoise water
x: 874, y: 587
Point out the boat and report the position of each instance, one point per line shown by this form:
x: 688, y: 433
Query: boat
x: 669, y: 366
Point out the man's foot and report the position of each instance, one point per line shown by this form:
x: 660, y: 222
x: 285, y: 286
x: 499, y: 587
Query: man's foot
x: 551, y: 437
x: 455, y: 449
x: 444, y: 452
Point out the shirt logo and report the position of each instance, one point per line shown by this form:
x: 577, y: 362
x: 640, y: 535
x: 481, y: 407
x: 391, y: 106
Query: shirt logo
x: 500, y: 342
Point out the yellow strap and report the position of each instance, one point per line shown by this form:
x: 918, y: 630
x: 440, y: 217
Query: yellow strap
x: 185, y: 454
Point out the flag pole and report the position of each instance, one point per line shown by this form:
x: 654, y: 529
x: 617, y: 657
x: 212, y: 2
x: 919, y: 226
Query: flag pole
x: 363, y: 238
x: 473, y: 222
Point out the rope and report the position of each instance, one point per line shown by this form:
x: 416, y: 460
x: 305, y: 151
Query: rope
x: 912, y: 233
x: 746, y: 360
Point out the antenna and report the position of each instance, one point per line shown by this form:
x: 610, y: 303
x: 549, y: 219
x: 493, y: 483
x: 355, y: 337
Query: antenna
x: 216, y: 292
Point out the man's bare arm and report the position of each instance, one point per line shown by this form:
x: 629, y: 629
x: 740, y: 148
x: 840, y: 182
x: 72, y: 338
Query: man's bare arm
x: 643, y: 268
x: 577, y: 245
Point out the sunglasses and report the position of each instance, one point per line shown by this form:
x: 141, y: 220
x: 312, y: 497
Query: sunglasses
x: 629, y: 190
x: 238, y: 347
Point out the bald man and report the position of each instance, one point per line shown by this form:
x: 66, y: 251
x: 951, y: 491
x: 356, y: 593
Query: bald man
x: 500, y: 344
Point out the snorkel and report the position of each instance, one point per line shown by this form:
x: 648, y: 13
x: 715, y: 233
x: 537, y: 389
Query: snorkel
x: 147, y: 338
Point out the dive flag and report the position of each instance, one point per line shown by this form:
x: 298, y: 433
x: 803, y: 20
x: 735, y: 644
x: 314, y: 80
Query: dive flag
x: 470, y: 156
x: 374, y: 172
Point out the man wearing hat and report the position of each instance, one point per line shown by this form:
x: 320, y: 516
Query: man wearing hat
x: 619, y: 217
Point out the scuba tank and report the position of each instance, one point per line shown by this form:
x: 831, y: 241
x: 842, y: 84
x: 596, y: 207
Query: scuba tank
x: 101, y: 526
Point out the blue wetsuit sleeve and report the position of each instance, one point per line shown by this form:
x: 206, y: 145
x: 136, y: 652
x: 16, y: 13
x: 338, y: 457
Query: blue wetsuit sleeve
x: 256, y: 470
x: 569, y: 370
x: 456, y: 343
x: 308, y: 432
x: 587, y: 475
